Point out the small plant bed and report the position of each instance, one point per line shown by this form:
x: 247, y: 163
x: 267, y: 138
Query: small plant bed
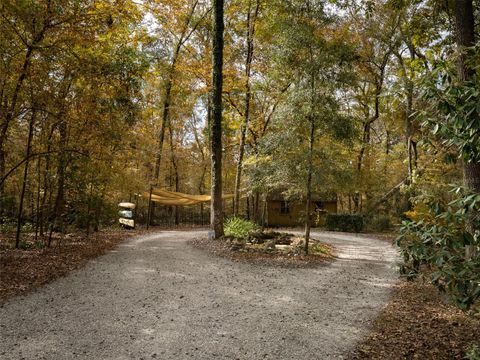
x: 418, y: 324
x: 269, y: 248
x: 33, y: 265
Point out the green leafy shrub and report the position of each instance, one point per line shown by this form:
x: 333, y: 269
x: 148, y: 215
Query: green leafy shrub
x: 473, y: 353
x: 7, y: 225
x: 26, y: 245
x: 27, y: 227
x: 439, y: 241
x: 344, y: 222
x: 239, y: 228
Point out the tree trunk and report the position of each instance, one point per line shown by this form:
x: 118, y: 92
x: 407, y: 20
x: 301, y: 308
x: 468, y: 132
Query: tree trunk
x: 184, y: 36
x: 471, y: 180
x: 311, y: 119
x: 38, y: 212
x: 165, y: 121
x: 251, y: 18
x: 255, y: 206
x: 409, y: 143
x: 46, y: 186
x: 471, y: 176
x: 161, y: 137
x: 62, y: 164
x: 10, y: 112
x: 175, y: 169
x: 264, y: 211
x: 465, y: 33
x: 216, y: 215
x: 309, y: 184
x: 24, y: 182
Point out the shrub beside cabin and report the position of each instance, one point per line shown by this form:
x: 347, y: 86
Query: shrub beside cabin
x: 281, y: 212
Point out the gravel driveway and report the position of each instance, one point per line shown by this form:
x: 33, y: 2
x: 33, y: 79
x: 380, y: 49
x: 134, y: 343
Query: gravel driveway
x: 156, y: 297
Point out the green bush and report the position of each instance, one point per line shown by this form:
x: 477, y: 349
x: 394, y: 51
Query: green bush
x: 7, y: 225
x: 239, y: 228
x: 439, y: 240
x: 473, y: 353
x: 26, y: 245
x: 344, y: 222
x: 27, y: 227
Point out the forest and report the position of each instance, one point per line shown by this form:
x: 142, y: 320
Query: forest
x: 371, y: 103
x: 101, y: 100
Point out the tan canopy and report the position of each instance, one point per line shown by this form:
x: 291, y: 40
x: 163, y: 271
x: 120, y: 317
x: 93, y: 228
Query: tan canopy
x: 166, y: 197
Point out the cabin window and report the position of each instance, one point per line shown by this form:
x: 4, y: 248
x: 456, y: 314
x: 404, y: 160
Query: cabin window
x: 284, y: 208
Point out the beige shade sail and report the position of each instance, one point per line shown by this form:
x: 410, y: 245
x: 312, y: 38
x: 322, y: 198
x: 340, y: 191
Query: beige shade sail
x: 172, y: 198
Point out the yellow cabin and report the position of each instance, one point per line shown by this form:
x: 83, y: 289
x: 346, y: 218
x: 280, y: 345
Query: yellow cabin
x: 281, y: 212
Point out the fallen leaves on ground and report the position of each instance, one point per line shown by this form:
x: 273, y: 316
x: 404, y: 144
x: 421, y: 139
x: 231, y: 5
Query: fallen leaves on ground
x: 418, y: 324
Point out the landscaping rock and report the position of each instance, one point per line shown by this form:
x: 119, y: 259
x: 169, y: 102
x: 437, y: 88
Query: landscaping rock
x: 270, y: 246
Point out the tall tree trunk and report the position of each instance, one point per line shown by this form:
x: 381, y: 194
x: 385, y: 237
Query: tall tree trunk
x: 10, y: 111
x: 309, y: 183
x: 379, y: 79
x: 10, y: 114
x: 46, y: 187
x: 365, y: 143
x: 165, y: 120
x: 465, y: 32
x: 62, y: 164
x: 184, y: 36
x: 256, y: 207
x: 201, y: 183
x: 24, y: 182
x: 167, y: 99
x: 311, y: 119
x: 39, y: 184
x: 409, y: 143
x: 216, y: 214
x: 177, y: 177
x: 264, y: 211
x: 408, y: 135
x: 251, y: 19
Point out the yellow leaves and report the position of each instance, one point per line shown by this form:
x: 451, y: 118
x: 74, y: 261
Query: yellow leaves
x: 418, y: 213
x: 257, y: 160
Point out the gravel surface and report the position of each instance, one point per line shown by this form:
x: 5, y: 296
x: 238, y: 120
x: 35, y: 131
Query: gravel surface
x: 157, y: 297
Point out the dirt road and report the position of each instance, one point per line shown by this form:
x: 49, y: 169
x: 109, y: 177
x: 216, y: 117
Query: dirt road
x: 156, y: 297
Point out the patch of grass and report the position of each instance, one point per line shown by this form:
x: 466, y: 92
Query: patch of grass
x: 318, y: 248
